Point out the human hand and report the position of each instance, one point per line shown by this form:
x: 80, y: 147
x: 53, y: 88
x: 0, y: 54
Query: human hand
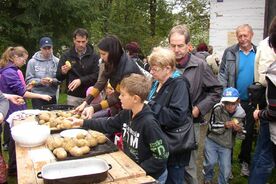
x: 74, y: 84
x: 76, y: 121
x: 195, y: 112
x: 1, y: 118
x: 256, y: 114
x: 88, y: 112
x: 15, y: 99
x: 80, y: 108
x: 229, y: 124
x: 46, y: 97
x: 31, y: 85
x: 46, y: 81
x: 237, y: 127
x: 65, y: 69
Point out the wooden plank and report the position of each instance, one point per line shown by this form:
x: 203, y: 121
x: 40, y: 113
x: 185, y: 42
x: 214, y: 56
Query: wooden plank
x: 141, y: 179
x: 128, y: 165
x: 25, y: 169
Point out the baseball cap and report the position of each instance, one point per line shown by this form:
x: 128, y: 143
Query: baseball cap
x: 45, y: 41
x: 230, y: 95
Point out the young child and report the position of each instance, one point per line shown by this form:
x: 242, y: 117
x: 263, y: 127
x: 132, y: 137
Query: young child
x: 143, y: 140
x: 226, y: 119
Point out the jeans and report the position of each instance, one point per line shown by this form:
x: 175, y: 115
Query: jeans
x: 262, y: 163
x: 175, y: 174
x: 37, y: 103
x: 162, y: 179
x: 246, y: 146
x: 214, y: 153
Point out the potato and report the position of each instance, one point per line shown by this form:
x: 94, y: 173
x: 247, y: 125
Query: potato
x: 92, y: 142
x: 44, y: 116
x: 57, y: 142
x: 66, y: 124
x: 81, y: 142
x: 68, y: 64
x: 41, y: 122
x: 80, y: 136
x: 101, y: 139
x: 76, y: 151
x: 69, y: 145
x: 60, y: 153
x: 235, y: 120
x: 53, y: 124
x: 85, y: 149
x: 49, y: 143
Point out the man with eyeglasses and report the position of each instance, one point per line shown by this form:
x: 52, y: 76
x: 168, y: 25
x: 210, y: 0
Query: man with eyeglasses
x: 41, y: 73
x: 205, y: 89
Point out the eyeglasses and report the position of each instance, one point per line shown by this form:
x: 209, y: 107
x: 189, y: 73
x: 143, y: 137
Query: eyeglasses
x: 155, y: 69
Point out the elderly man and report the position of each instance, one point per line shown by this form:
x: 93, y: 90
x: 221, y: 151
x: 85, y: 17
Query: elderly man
x: 205, y: 90
x: 79, y: 66
x: 41, y: 73
x: 237, y: 70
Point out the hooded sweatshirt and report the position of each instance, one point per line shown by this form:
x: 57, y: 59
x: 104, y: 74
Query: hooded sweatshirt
x: 10, y: 83
x: 38, y: 68
x: 143, y: 139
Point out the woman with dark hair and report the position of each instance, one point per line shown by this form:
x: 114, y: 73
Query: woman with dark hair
x: 116, y: 65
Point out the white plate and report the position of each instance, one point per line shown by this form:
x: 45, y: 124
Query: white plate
x: 72, y: 132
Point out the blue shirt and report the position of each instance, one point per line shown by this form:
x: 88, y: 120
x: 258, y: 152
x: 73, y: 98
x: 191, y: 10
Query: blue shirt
x: 245, y: 73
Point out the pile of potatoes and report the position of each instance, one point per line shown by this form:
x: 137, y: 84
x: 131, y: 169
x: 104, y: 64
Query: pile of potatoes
x: 77, y: 146
x: 56, y: 119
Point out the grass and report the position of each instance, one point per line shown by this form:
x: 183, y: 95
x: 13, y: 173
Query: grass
x: 235, y: 166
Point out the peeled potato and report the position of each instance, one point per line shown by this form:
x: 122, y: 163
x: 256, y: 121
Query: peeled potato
x: 235, y: 120
x: 68, y: 64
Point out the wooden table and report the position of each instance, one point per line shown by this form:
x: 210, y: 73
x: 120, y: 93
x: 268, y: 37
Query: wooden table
x: 123, y: 171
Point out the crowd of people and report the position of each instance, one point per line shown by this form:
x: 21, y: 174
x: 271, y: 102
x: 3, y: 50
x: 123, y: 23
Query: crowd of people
x: 144, y: 101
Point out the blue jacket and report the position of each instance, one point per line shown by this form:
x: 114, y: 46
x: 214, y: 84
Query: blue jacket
x: 10, y: 83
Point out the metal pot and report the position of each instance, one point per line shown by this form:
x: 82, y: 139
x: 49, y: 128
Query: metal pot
x: 57, y: 107
x: 81, y: 171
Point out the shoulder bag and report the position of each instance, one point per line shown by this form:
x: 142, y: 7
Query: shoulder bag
x: 182, y: 138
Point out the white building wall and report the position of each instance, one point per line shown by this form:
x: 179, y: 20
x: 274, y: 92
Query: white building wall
x: 227, y: 15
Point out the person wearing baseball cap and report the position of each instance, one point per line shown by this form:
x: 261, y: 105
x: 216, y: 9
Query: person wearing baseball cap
x: 230, y: 95
x: 226, y: 121
x: 41, y: 73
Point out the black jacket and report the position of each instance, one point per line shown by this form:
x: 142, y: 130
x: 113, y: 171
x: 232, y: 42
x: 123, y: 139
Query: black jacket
x: 143, y: 139
x: 125, y: 68
x: 86, y: 69
x: 174, y: 113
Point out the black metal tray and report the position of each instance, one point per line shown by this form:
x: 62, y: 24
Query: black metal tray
x: 57, y: 107
x: 107, y: 147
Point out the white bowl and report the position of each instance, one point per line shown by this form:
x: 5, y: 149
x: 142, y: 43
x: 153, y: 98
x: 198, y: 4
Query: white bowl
x: 30, y: 135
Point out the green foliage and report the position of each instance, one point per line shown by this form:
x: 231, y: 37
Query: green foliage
x: 23, y: 22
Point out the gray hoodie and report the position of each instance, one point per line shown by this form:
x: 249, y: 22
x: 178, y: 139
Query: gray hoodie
x: 38, y: 68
